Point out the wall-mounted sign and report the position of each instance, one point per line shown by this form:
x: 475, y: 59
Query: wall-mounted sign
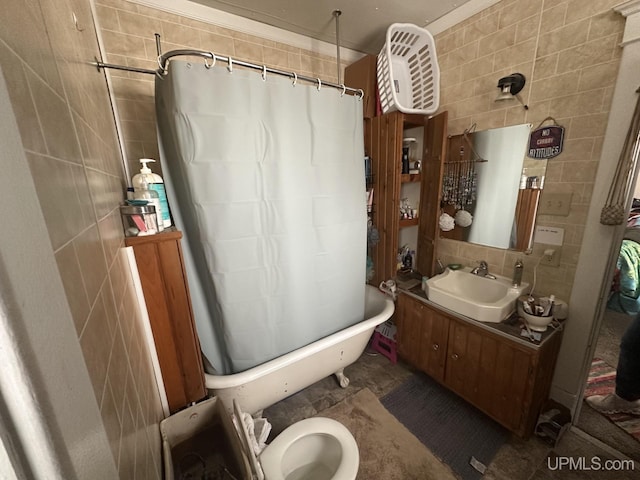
x: 546, y: 142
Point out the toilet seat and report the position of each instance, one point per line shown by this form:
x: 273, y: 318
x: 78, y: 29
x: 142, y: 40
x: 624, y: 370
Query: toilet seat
x: 327, y: 432
x: 317, y: 438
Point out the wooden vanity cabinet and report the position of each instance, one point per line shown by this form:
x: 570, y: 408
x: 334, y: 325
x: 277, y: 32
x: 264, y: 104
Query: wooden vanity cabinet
x: 166, y: 291
x: 506, y: 379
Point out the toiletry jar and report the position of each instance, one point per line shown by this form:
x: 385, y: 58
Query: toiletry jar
x: 139, y: 220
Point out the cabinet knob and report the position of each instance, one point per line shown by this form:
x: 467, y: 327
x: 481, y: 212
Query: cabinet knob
x: 455, y: 356
x: 436, y: 346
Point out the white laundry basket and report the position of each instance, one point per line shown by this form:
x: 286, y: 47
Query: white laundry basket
x: 408, y: 73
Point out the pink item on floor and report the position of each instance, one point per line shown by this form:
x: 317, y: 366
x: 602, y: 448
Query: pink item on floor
x: 385, y: 346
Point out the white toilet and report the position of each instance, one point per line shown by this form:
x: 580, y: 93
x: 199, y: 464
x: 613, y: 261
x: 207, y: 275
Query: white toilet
x: 312, y: 449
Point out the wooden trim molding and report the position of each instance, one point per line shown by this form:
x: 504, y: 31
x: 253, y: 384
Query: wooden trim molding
x: 631, y: 11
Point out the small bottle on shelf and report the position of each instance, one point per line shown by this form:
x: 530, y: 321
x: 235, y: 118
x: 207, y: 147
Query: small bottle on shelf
x: 405, y: 160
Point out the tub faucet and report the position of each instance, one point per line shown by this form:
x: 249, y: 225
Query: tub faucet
x: 518, y: 268
x: 482, y: 270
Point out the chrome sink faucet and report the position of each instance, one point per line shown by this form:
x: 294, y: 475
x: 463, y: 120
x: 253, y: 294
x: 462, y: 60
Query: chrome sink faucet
x: 482, y: 270
x: 517, y: 273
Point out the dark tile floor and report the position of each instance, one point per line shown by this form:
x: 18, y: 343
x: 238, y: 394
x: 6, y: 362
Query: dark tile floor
x: 576, y: 457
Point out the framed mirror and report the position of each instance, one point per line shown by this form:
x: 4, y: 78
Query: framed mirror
x: 491, y: 189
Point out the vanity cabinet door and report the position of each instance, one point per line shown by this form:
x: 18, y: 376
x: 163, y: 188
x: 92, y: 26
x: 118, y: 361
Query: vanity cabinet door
x: 433, y: 339
x: 494, y: 375
x: 422, y: 336
x: 463, y: 361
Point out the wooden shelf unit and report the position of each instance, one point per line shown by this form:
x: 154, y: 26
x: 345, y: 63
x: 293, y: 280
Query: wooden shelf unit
x: 383, y: 143
x: 408, y: 222
x: 166, y: 291
x: 410, y: 177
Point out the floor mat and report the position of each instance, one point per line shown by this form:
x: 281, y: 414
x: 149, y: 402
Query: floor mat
x: 450, y: 427
x: 602, y: 381
x: 388, y: 450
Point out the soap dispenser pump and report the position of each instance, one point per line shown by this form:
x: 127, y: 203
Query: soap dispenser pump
x: 154, y: 182
x: 518, y: 268
x: 143, y: 192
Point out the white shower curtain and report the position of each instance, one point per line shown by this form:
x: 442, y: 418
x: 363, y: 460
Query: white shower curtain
x: 266, y: 181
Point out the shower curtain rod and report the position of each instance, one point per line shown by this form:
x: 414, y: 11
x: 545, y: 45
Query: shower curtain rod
x: 164, y: 59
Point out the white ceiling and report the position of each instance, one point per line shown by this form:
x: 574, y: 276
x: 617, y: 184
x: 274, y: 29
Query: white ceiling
x: 362, y: 23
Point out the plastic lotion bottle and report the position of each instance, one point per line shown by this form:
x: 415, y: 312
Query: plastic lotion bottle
x: 151, y: 196
x: 155, y: 183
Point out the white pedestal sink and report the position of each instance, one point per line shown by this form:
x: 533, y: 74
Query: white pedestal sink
x: 480, y: 298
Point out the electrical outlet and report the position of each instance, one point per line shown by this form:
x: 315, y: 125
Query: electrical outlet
x: 555, y: 203
x: 553, y: 260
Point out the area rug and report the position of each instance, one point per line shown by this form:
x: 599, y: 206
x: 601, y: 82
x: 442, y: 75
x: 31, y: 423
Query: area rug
x: 451, y: 428
x: 387, y: 449
x: 602, y: 381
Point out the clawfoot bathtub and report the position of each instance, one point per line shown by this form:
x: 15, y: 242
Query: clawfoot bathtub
x: 263, y: 385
